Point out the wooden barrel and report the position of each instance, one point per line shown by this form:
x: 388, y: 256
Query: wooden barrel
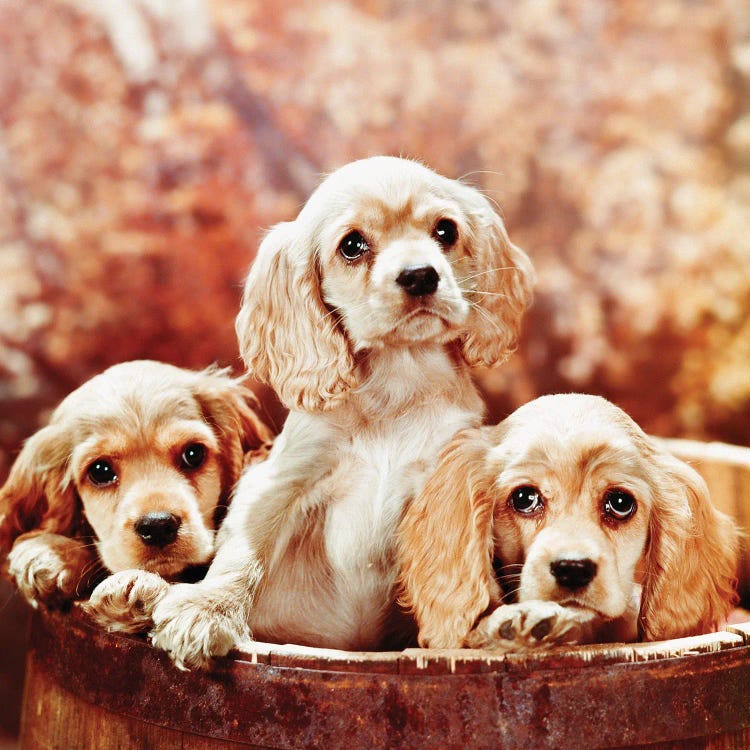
x: 90, y: 689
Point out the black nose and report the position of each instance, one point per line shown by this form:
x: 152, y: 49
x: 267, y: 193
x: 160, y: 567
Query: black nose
x: 157, y: 529
x: 573, y: 574
x: 418, y: 281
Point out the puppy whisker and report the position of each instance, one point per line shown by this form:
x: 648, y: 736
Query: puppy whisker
x: 486, y: 316
x: 490, y: 294
x: 88, y: 572
x: 484, y: 273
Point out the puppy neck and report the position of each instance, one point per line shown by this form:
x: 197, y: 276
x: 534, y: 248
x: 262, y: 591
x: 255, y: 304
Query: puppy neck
x: 397, y: 379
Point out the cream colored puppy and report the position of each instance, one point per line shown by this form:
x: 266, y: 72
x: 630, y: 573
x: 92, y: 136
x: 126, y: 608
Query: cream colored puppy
x: 365, y: 314
x: 128, y: 474
x: 572, y: 512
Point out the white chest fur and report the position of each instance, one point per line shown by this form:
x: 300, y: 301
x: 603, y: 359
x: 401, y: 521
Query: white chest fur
x: 330, y: 581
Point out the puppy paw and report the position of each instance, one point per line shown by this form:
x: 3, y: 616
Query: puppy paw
x: 125, y: 601
x: 50, y: 569
x: 193, y: 627
x: 532, y: 625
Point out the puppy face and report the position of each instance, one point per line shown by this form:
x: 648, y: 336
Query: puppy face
x: 574, y: 488
x: 149, y: 478
x: 396, y: 256
x: 386, y: 253
x: 149, y: 451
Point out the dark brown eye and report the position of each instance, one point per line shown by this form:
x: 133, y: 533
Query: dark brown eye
x: 526, y: 500
x: 353, y: 246
x: 193, y: 456
x: 619, y: 504
x: 101, y: 473
x: 446, y: 233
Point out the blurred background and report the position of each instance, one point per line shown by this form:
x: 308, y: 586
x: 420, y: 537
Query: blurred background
x: 146, y: 144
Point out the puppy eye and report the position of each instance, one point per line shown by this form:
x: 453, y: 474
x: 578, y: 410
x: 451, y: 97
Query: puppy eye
x: 446, y: 233
x: 193, y: 456
x: 353, y: 246
x: 101, y: 473
x: 619, y: 504
x: 526, y: 499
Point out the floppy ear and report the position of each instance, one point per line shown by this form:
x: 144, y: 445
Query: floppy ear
x: 287, y: 337
x: 502, y: 282
x: 691, y: 558
x: 446, y: 546
x: 38, y: 495
x: 234, y: 412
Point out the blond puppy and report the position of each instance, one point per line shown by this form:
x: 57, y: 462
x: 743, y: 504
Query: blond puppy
x: 585, y: 523
x: 366, y: 314
x: 128, y: 474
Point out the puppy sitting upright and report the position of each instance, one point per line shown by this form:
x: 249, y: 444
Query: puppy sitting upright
x: 597, y: 532
x: 128, y: 474
x: 365, y: 314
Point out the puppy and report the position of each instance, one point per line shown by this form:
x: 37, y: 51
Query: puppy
x: 128, y: 474
x: 579, y: 510
x: 365, y: 314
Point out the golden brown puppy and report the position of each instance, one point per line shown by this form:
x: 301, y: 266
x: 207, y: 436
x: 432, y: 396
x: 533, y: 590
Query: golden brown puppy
x: 594, y: 530
x: 366, y: 314
x: 128, y: 474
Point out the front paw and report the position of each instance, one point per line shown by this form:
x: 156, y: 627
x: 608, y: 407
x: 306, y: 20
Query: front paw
x: 532, y: 625
x: 193, y: 627
x: 50, y: 569
x: 125, y: 601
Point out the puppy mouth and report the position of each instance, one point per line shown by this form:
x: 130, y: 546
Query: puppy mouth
x: 423, y: 324
x: 583, y: 603
x: 447, y: 317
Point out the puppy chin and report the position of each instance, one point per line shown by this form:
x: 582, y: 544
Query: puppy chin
x: 167, y: 562
x: 611, y: 606
x: 421, y: 326
x: 168, y: 567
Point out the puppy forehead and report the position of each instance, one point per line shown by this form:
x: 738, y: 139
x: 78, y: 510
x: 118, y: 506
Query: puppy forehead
x: 568, y: 433
x: 386, y: 217
x: 125, y: 407
x: 387, y: 175
x: 149, y: 392
x: 387, y: 186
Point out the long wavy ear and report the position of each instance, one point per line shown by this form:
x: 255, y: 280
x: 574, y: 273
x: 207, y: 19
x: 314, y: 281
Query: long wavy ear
x: 288, y: 338
x: 234, y: 413
x: 691, y: 558
x: 502, y: 283
x: 445, y: 546
x: 39, y: 495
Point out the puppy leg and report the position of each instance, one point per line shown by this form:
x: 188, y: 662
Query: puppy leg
x: 533, y: 625
x: 125, y: 601
x: 51, y: 569
x: 196, y: 622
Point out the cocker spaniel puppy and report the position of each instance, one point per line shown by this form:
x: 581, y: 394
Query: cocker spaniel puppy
x: 365, y: 314
x: 128, y: 474
x: 569, y: 510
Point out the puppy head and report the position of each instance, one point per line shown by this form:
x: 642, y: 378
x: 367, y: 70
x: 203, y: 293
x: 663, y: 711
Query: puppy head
x: 149, y: 451
x: 574, y: 482
x: 577, y: 505
x: 386, y: 253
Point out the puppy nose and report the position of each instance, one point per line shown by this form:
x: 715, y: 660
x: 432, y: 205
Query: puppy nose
x: 573, y: 574
x: 157, y: 529
x: 418, y: 281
